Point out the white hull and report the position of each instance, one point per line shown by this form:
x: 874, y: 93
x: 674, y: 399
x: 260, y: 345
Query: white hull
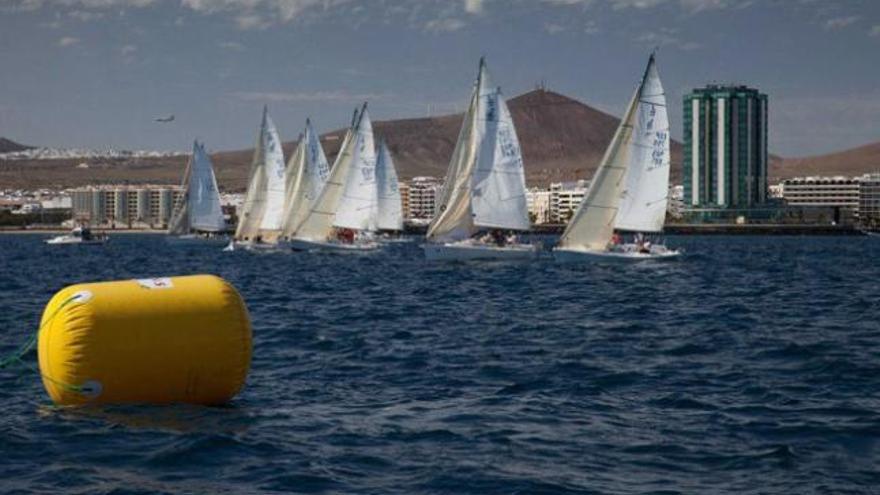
x: 466, y: 251
x: 583, y: 255
x: 196, y: 240
x: 394, y: 240
x: 64, y: 239
x: 330, y: 246
x: 261, y: 247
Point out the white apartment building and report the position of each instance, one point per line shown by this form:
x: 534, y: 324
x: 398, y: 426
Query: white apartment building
x: 421, y: 196
x: 125, y: 206
x: 842, y: 192
x: 538, y: 202
x: 565, y: 197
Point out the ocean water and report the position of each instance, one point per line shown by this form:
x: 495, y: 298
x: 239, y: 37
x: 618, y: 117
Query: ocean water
x: 750, y: 365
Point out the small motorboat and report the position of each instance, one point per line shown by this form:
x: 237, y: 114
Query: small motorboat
x: 79, y: 235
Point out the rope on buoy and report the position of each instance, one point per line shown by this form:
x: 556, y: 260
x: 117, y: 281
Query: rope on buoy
x: 28, y: 346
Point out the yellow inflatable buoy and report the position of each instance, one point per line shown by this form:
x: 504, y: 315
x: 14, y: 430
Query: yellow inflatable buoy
x: 159, y: 341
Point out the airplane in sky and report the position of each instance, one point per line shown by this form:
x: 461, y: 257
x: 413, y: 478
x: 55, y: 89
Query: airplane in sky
x: 169, y: 118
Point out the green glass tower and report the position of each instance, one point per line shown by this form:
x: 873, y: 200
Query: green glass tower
x: 725, y: 147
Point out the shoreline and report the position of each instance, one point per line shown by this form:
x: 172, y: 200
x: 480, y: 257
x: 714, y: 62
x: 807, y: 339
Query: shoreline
x: 551, y: 229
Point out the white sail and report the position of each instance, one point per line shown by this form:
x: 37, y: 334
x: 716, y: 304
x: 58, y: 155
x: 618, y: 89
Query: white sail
x: 593, y: 223
x: 179, y: 222
x: 357, y: 207
x: 273, y: 157
x: 646, y: 190
x: 254, y: 205
x: 203, y: 197
x: 307, y: 172
x: 318, y: 223
x: 390, y: 216
x: 498, y: 191
x: 454, y: 218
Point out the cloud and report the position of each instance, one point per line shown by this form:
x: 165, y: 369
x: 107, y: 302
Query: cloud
x: 127, y: 50
x: 553, y: 28
x: 85, y: 16
x: 667, y: 37
x: 231, y: 46
x: 251, y: 21
x: 839, y: 22
x: 447, y: 24
x: 592, y: 28
x: 474, y: 6
x: 68, y: 41
x: 691, y: 6
x: 295, y: 97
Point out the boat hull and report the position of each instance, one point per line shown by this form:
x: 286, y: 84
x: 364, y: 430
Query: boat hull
x: 329, y: 246
x: 196, y: 240
x: 563, y: 255
x: 459, y: 251
x: 67, y: 240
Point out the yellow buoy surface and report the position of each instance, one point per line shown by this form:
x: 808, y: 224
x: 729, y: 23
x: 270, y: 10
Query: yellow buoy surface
x: 164, y: 340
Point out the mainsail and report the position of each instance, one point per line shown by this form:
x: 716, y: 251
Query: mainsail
x: 307, y: 172
x: 251, y: 217
x: 646, y: 190
x: 485, y: 181
x: 594, y: 221
x: 318, y: 223
x: 200, y: 208
x: 273, y: 158
x: 358, y: 207
x: 390, y: 216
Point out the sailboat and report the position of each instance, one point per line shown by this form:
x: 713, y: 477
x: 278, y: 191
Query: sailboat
x: 389, y: 206
x: 198, y: 217
x: 307, y: 173
x: 630, y: 189
x: 343, y: 217
x: 259, y: 224
x: 485, y: 191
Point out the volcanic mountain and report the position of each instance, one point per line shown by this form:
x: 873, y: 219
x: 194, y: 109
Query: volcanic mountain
x: 562, y: 139
x: 8, y: 146
x: 855, y: 161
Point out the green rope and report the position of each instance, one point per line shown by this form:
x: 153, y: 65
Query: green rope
x: 16, y: 358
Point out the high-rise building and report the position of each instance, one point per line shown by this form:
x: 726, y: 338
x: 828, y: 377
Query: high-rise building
x: 725, y: 147
x: 869, y: 201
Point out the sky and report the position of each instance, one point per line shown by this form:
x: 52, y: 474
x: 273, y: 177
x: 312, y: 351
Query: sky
x: 96, y: 73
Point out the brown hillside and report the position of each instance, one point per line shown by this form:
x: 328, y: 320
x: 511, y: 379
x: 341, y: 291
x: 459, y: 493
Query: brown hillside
x: 8, y: 146
x: 856, y: 161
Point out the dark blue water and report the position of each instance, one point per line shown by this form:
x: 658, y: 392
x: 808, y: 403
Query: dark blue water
x: 752, y: 365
